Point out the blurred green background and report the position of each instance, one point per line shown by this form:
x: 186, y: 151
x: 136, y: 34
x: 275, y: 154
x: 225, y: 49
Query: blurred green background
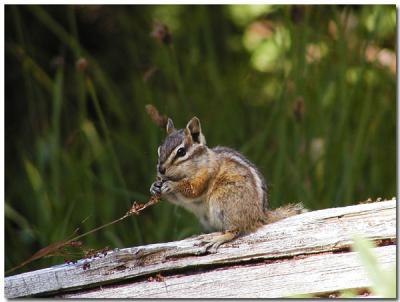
x: 308, y: 93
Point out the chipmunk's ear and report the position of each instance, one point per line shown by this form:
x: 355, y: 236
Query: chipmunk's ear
x: 193, y: 127
x: 169, y: 127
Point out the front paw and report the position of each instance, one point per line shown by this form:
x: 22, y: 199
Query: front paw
x: 156, y: 187
x: 167, y: 187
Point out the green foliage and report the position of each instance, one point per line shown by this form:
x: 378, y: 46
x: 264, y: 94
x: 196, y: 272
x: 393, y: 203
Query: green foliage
x: 308, y: 93
x: 383, y: 280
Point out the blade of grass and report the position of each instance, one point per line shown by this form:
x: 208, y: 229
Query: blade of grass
x: 117, y: 165
x: 55, y: 135
x: 73, y: 44
x: 383, y: 282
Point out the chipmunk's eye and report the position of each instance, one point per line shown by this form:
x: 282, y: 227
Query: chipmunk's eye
x: 181, y: 152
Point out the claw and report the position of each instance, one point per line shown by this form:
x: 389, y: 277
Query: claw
x: 211, y: 245
x: 166, y: 187
x: 155, y: 187
x: 206, y: 246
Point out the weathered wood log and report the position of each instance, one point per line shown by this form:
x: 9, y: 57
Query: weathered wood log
x: 315, y: 274
x: 308, y: 253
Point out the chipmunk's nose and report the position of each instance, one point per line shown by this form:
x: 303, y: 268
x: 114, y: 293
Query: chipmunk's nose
x: 161, y: 169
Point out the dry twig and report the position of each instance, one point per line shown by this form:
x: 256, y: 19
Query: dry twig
x: 57, y: 247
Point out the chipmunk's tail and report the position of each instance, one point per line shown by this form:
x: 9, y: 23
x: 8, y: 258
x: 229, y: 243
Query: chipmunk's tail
x: 284, y: 212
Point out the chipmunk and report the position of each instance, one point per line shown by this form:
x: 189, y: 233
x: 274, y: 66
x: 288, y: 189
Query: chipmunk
x: 222, y: 188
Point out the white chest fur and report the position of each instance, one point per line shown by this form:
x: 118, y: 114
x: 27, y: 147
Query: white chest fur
x: 198, y: 206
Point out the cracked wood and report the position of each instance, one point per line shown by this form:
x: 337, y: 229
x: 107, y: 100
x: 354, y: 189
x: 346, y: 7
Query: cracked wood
x: 319, y: 273
x: 310, y: 233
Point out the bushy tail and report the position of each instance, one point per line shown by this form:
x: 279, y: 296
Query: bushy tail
x: 284, y: 212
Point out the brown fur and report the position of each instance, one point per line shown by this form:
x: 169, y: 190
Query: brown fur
x: 194, y: 187
x: 156, y: 117
x: 284, y: 212
x: 220, y: 186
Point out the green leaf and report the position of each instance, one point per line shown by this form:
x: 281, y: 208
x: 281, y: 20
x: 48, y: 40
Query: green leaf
x: 383, y: 281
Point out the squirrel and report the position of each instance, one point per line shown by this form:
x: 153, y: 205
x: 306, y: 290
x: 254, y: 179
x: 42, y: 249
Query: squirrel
x: 221, y: 187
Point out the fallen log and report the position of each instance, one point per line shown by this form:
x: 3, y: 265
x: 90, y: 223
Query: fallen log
x: 305, y: 254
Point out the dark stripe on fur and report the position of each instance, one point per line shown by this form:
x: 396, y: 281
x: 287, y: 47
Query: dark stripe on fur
x: 198, y: 151
x: 170, y: 143
x: 222, y: 150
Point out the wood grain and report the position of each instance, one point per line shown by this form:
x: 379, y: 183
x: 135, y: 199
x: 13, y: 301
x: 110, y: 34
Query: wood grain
x: 310, y: 233
x: 313, y: 274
